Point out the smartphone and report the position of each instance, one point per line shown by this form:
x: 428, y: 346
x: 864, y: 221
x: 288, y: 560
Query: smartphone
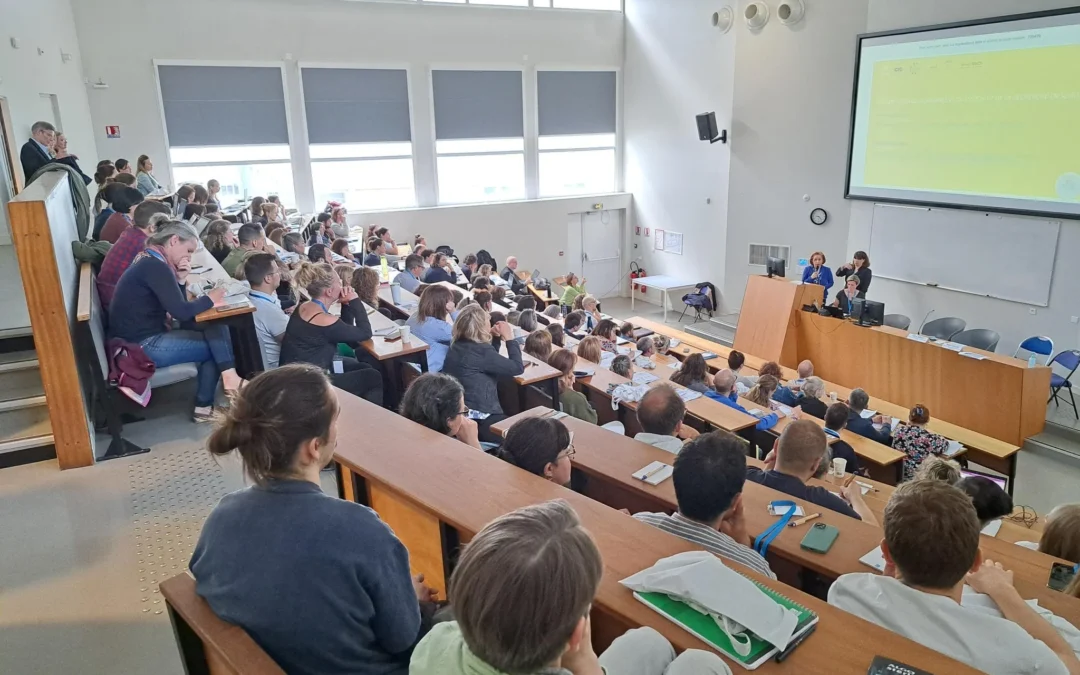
x: 477, y: 415
x: 1061, y: 575
x: 820, y: 538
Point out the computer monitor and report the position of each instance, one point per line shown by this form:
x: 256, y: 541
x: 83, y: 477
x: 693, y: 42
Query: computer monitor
x: 776, y: 267
x: 867, y: 312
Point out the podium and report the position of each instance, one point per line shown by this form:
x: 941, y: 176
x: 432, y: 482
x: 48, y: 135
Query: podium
x: 765, y: 319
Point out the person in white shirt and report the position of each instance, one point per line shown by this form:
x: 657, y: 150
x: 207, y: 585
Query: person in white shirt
x: 660, y: 414
x: 931, y: 549
x: 262, y: 272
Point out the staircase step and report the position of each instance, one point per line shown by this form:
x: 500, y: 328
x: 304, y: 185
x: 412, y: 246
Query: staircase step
x: 712, y: 331
x: 21, y: 360
x: 21, y: 389
x: 25, y: 428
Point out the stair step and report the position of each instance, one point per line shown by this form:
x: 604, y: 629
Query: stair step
x: 25, y: 428
x: 21, y: 389
x: 13, y: 361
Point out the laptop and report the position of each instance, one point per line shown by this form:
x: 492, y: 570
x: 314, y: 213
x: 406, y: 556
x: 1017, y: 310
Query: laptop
x: 1001, y: 481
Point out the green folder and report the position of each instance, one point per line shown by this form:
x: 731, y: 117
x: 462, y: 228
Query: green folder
x: 704, y: 627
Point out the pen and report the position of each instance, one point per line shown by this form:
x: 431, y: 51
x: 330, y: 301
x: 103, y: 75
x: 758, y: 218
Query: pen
x: 652, y: 473
x: 807, y: 519
x: 850, y: 478
x: 795, y: 643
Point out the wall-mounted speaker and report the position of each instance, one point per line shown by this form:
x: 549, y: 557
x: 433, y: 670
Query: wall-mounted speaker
x: 708, y: 130
x: 756, y: 15
x: 790, y: 12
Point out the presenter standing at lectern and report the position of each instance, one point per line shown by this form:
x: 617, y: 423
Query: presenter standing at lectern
x: 817, y: 273
x: 860, y: 267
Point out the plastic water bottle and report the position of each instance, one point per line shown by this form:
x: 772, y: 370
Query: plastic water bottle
x: 1031, y: 361
x: 384, y: 270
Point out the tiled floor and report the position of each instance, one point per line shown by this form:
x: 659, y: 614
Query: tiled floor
x: 81, y: 551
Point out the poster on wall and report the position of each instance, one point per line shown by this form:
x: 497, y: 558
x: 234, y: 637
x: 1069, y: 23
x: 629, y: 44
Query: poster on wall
x: 658, y: 242
x: 673, y: 242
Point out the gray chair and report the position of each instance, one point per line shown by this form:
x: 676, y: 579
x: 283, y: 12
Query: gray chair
x: 945, y: 328
x: 897, y: 321
x: 979, y: 338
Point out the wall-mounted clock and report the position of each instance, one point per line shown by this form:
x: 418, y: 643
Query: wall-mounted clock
x: 819, y: 216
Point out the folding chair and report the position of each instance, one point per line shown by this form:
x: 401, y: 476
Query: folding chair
x: 1068, y: 359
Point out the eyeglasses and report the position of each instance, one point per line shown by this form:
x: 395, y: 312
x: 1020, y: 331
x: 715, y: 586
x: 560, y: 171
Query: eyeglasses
x: 568, y: 453
x: 463, y: 412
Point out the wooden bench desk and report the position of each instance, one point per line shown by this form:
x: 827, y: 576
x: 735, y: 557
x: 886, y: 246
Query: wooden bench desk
x: 982, y: 449
x: 391, y: 354
x: 208, y: 644
x: 409, y: 302
x: 434, y: 490
x: 610, y: 459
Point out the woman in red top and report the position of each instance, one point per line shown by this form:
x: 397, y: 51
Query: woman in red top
x: 131, y: 243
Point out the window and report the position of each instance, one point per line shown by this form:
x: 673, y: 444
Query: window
x: 228, y: 123
x: 360, y: 136
x: 479, y: 135
x: 577, y: 118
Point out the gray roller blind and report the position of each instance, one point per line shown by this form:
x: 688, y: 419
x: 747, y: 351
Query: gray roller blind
x: 223, y: 105
x: 352, y: 105
x: 576, y: 102
x: 478, y: 104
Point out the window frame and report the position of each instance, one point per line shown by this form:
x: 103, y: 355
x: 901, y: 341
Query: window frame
x: 527, y: 131
x: 532, y: 5
x: 306, y: 142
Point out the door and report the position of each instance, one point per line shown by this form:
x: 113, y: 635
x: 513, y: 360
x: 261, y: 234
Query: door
x: 601, y: 255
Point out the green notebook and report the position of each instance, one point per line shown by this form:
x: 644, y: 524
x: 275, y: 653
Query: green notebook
x: 703, y: 626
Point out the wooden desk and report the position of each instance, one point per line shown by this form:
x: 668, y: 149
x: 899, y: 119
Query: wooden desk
x: 409, y: 302
x: 207, y: 643
x: 543, y: 298
x: 609, y: 462
x: 434, y: 491
x: 391, y: 355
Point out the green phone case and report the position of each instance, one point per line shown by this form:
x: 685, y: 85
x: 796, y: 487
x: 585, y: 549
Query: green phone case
x: 820, y: 538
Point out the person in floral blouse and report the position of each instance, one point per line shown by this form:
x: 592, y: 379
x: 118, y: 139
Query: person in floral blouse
x: 916, y: 442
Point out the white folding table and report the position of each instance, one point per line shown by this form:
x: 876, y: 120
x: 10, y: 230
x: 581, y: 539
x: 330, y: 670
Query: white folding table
x: 662, y: 283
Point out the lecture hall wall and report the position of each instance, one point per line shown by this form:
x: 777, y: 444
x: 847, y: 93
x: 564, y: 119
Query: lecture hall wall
x: 785, y: 96
x: 121, y: 39
x: 24, y: 76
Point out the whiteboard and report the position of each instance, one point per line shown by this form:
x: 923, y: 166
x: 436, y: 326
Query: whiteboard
x: 989, y: 254
x: 673, y: 242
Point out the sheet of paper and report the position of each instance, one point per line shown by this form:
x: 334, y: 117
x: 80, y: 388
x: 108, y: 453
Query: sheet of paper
x: 675, y: 365
x: 687, y: 395
x: 655, y: 473
x: 875, y: 559
x: 973, y: 355
x: 867, y: 414
x: 992, y: 529
x: 953, y: 346
x: 954, y: 448
x: 675, y: 342
x: 918, y: 338
x: 895, y: 422
x: 773, y: 512
x: 645, y: 378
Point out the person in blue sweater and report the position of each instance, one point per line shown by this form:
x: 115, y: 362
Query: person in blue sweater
x: 817, y: 273
x: 433, y: 322
x: 152, y: 291
x: 271, y: 558
x: 724, y: 386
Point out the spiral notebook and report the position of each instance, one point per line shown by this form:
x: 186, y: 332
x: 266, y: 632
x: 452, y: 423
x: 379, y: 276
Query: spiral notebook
x: 705, y: 628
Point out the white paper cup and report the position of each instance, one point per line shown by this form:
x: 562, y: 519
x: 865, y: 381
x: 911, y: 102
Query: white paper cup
x: 832, y: 396
x: 395, y: 293
x: 839, y: 467
x: 405, y: 331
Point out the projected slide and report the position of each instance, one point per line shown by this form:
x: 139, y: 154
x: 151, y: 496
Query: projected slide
x: 983, y: 116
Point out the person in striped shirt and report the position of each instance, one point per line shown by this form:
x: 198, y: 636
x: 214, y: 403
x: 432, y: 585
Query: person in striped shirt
x: 709, y: 475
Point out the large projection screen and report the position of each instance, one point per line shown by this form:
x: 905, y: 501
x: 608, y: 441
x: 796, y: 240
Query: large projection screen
x: 979, y: 115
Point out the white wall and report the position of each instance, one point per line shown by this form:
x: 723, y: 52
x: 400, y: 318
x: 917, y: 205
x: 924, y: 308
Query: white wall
x: 1012, y: 320
x: 677, y: 66
x: 24, y: 76
x: 792, y: 106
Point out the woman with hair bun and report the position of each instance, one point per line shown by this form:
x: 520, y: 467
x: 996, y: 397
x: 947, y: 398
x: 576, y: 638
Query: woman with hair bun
x: 271, y: 558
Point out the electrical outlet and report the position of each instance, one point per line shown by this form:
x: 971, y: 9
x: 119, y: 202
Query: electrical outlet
x: 1032, y: 311
x: 599, y: 206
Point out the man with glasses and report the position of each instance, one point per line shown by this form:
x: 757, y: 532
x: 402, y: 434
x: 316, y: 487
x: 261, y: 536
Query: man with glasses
x: 37, y: 152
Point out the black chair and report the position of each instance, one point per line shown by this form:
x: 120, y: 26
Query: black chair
x: 944, y: 329
x: 1070, y: 359
x: 897, y: 321
x: 979, y: 338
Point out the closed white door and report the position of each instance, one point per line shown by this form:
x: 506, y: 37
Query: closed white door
x: 601, y: 254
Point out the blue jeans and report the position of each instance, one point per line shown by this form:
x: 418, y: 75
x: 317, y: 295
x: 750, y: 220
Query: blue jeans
x: 210, y: 347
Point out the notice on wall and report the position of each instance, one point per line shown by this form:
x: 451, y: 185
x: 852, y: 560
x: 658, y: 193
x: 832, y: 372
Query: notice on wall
x: 112, y: 131
x: 673, y: 242
x: 659, y: 241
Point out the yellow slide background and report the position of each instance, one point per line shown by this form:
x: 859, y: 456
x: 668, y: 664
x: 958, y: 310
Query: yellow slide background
x: 998, y: 123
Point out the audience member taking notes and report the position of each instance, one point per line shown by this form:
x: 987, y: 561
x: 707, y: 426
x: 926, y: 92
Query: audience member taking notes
x: 437, y: 401
x: 931, y: 548
x: 660, y: 413
x: 797, y: 456
x: 571, y: 401
x: 262, y: 561
x: 709, y: 475
x: 864, y: 426
x: 522, y: 594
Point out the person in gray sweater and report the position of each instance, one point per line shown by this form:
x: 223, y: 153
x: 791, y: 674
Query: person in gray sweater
x: 476, y: 363
x: 271, y: 558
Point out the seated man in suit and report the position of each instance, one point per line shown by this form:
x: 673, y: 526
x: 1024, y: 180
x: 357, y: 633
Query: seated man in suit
x: 864, y: 426
x: 709, y: 476
x: 37, y: 152
x: 660, y: 414
x: 509, y: 275
x: 931, y: 551
x: 801, y: 449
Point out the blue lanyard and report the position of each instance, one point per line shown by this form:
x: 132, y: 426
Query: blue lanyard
x: 319, y: 303
x: 848, y: 303
x: 156, y: 255
x: 266, y: 299
x: 761, y: 544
